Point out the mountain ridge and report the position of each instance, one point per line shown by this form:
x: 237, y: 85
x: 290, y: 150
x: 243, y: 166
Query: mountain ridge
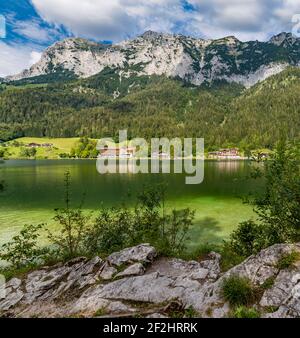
x: 195, y: 61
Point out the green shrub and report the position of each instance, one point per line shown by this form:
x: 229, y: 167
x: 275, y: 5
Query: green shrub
x: 148, y: 222
x: 238, y: 291
x: 268, y: 284
x: 23, y: 249
x: 109, y: 231
x: 85, y: 148
x: 200, y: 252
x: 271, y: 309
x: 64, y: 155
x: 28, y: 152
x: 246, y: 239
x: 10, y: 271
x: 173, y: 232
x: 73, y: 224
x: 191, y: 313
x: 277, y: 207
x: 100, y: 312
x: 244, y: 312
x: 287, y: 261
x: 229, y: 257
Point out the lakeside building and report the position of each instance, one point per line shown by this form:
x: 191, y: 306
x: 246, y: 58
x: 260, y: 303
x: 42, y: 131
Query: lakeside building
x: 160, y: 155
x: 123, y: 152
x: 37, y: 145
x: 226, y: 154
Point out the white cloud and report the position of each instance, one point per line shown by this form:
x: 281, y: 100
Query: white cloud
x: 15, y: 58
x: 246, y: 19
x: 119, y: 19
x: 31, y: 30
x: 114, y: 19
x: 35, y: 57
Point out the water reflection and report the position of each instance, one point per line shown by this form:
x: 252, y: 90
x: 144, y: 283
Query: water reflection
x: 35, y: 189
x: 193, y: 169
x: 229, y: 166
x: 34, y: 184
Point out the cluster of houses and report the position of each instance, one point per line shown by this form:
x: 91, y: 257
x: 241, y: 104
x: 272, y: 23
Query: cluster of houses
x: 160, y: 155
x: 129, y: 152
x: 37, y: 145
x: 228, y: 154
x: 123, y: 152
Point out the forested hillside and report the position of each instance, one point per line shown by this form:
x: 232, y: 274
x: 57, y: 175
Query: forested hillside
x: 100, y: 106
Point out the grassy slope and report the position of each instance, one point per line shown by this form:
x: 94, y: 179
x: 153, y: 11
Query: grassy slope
x: 60, y: 145
x: 64, y: 144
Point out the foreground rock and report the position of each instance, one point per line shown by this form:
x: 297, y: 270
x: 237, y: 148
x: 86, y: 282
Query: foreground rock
x: 135, y: 282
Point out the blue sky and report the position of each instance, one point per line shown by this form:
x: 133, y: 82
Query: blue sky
x: 32, y: 25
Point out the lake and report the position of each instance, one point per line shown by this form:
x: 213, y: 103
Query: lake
x: 35, y: 188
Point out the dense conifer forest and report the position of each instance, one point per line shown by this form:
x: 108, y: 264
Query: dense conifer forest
x: 224, y: 114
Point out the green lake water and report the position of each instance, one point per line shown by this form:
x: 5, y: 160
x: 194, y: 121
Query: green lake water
x: 35, y: 188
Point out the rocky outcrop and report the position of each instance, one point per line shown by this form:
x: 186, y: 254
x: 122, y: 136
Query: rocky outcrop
x: 137, y: 282
x: 195, y: 61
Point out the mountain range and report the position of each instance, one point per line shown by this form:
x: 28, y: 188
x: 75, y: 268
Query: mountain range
x: 232, y: 93
x: 195, y: 61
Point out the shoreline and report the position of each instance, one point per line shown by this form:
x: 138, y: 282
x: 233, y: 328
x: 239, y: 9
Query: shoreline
x: 118, y: 159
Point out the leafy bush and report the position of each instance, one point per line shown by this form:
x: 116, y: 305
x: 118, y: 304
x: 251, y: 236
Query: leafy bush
x: 278, y: 208
x: 190, y: 312
x: 238, y: 291
x: 271, y: 309
x: 28, y: 152
x: 229, y: 257
x: 74, y: 225
x: 109, y: 232
x: 23, y: 249
x: 287, y: 261
x: 173, y: 232
x: 64, y: 155
x: 85, y: 148
x: 246, y: 239
x: 117, y: 228
x: 268, y: 284
x: 244, y: 312
x: 200, y: 252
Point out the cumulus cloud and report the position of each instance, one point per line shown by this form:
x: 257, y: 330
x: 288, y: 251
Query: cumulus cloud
x: 15, y: 58
x: 34, y: 57
x: 32, y: 30
x: 246, y: 19
x: 114, y: 19
x: 119, y: 19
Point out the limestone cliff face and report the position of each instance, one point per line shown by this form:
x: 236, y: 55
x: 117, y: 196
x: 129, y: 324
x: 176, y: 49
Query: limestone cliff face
x: 193, y: 60
x: 137, y: 282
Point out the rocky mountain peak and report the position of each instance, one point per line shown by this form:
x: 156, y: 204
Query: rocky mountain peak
x: 229, y: 40
x: 193, y: 60
x: 150, y: 35
x: 283, y: 39
x: 75, y: 43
